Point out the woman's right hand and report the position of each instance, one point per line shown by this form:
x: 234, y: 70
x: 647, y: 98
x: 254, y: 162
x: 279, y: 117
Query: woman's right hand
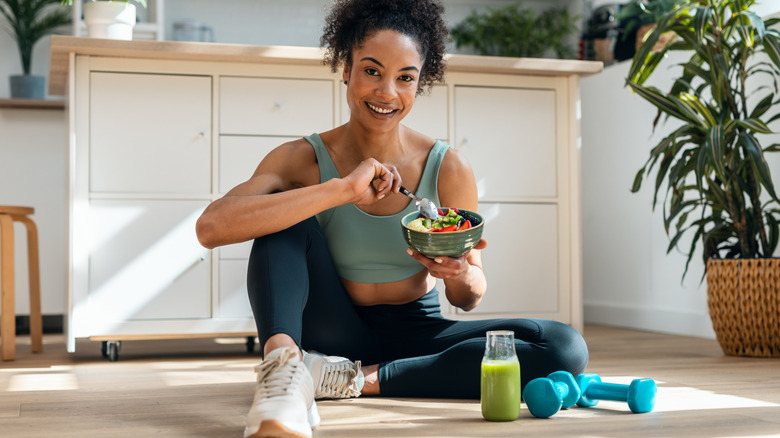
x: 372, y: 181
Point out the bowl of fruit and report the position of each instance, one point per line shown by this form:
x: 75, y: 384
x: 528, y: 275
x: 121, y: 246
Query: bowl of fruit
x: 452, y: 235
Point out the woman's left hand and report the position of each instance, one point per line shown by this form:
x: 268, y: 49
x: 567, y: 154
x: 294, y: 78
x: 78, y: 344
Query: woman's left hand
x: 446, y: 267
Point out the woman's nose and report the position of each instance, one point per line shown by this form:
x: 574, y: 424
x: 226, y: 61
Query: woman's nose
x: 386, y: 87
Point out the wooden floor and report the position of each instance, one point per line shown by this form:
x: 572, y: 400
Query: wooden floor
x: 203, y: 388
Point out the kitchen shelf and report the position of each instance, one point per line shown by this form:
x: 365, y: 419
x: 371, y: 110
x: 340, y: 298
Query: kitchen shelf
x: 49, y: 104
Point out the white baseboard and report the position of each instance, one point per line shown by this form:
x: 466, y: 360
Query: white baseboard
x: 655, y: 320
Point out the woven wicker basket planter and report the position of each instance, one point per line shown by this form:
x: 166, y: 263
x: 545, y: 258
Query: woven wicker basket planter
x: 744, y: 301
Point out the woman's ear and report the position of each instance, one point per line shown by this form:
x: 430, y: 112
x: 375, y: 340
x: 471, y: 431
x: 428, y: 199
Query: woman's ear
x: 345, y: 74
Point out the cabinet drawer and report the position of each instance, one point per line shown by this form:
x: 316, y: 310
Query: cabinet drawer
x: 240, y: 155
x: 233, y: 297
x: 521, y: 261
x: 268, y: 106
x: 146, y: 262
x: 429, y: 114
x: 509, y: 136
x: 144, y: 126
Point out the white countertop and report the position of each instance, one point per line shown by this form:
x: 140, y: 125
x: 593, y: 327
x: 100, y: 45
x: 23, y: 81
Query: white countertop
x: 62, y: 46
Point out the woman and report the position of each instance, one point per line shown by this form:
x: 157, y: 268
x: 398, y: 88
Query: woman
x: 345, y: 283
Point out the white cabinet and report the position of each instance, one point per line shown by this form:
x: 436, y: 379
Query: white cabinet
x: 509, y: 136
x: 275, y: 106
x: 136, y: 147
x: 158, y: 131
x: 515, y: 132
x: 145, y: 262
x: 524, y: 274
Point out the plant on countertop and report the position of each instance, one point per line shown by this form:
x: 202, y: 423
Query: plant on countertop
x: 512, y: 31
x: 637, y: 13
x: 718, y: 183
x: 29, y: 21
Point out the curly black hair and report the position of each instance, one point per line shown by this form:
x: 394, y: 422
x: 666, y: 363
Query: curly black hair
x: 351, y: 21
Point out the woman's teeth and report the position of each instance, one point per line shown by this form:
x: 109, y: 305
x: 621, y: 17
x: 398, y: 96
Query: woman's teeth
x: 379, y: 110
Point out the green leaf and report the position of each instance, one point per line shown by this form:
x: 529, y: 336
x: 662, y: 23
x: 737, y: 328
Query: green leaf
x: 762, y: 107
x: 717, y: 194
x: 756, y: 22
x: 754, y: 125
x: 774, y: 234
x: 700, y: 110
x: 641, y: 57
x: 703, y: 15
x: 714, y: 145
x: 638, y: 180
x: 696, y: 69
x: 772, y: 48
x: 655, y: 97
x: 756, y: 157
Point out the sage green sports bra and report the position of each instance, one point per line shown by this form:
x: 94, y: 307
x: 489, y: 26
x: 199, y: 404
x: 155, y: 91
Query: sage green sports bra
x: 368, y: 248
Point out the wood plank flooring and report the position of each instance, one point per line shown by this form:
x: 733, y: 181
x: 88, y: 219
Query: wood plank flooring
x: 203, y: 388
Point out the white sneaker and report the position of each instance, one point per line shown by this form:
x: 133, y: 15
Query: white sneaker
x: 333, y: 376
x: 284, y: 399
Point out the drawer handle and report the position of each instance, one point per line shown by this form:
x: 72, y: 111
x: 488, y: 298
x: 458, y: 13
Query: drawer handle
x: 189, y: 268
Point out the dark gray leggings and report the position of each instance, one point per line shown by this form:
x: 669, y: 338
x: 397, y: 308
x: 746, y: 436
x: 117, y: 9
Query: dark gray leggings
x: 294, y: 289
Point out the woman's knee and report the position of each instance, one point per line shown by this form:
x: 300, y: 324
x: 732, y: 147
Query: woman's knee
x: 567, y: 349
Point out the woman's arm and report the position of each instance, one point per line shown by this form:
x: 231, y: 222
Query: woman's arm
x: 285, y: 190
x: 464, y: 280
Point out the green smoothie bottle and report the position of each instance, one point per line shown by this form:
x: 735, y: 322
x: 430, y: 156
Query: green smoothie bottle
x: 500, y: 382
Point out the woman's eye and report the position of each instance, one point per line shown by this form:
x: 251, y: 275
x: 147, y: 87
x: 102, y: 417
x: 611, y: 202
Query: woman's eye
x: 407, y: 78
x: 372, y: 72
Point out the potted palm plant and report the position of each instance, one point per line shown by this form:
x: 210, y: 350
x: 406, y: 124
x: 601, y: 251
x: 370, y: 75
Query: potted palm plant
x: 28, y: 22
x: 717, y: 185
x: 112, y: 19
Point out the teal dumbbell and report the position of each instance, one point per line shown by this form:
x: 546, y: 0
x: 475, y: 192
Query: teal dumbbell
x: 640, y: 394
x: 545, y: 396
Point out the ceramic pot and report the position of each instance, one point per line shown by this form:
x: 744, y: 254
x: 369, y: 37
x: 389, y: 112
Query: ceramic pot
x: 27, y: 87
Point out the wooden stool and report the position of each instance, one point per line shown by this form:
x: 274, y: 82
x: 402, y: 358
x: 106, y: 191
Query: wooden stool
x: 9, y: 215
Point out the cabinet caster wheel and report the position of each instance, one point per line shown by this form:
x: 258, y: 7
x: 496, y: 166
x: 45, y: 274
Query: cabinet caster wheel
x: 112, y: 350
x: 250, y: 344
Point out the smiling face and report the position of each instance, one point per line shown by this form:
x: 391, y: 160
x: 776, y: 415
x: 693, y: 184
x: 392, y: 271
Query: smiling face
x: 383, y: 79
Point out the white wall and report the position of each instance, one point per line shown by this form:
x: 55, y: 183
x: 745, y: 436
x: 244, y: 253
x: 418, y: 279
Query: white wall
x: 628, y: 279
x: 299, y: 22
x: 32, y: 173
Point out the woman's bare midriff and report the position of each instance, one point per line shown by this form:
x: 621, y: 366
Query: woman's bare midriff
x: 396, y: 292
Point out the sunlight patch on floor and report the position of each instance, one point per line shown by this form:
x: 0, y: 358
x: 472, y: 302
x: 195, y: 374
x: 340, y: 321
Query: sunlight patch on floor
x: 186, y: 378
x: 689, y: 399
x: 48, y: 379
x: 685, y: 398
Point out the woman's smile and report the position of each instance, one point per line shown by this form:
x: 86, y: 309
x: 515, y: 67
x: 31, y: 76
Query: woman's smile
x: 380, y: 110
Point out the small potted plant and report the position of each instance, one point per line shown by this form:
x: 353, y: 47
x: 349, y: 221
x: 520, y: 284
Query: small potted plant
x: 637, y: 17
x: 29, y: 21
x: 112, y: 19
x: 717, y: 183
